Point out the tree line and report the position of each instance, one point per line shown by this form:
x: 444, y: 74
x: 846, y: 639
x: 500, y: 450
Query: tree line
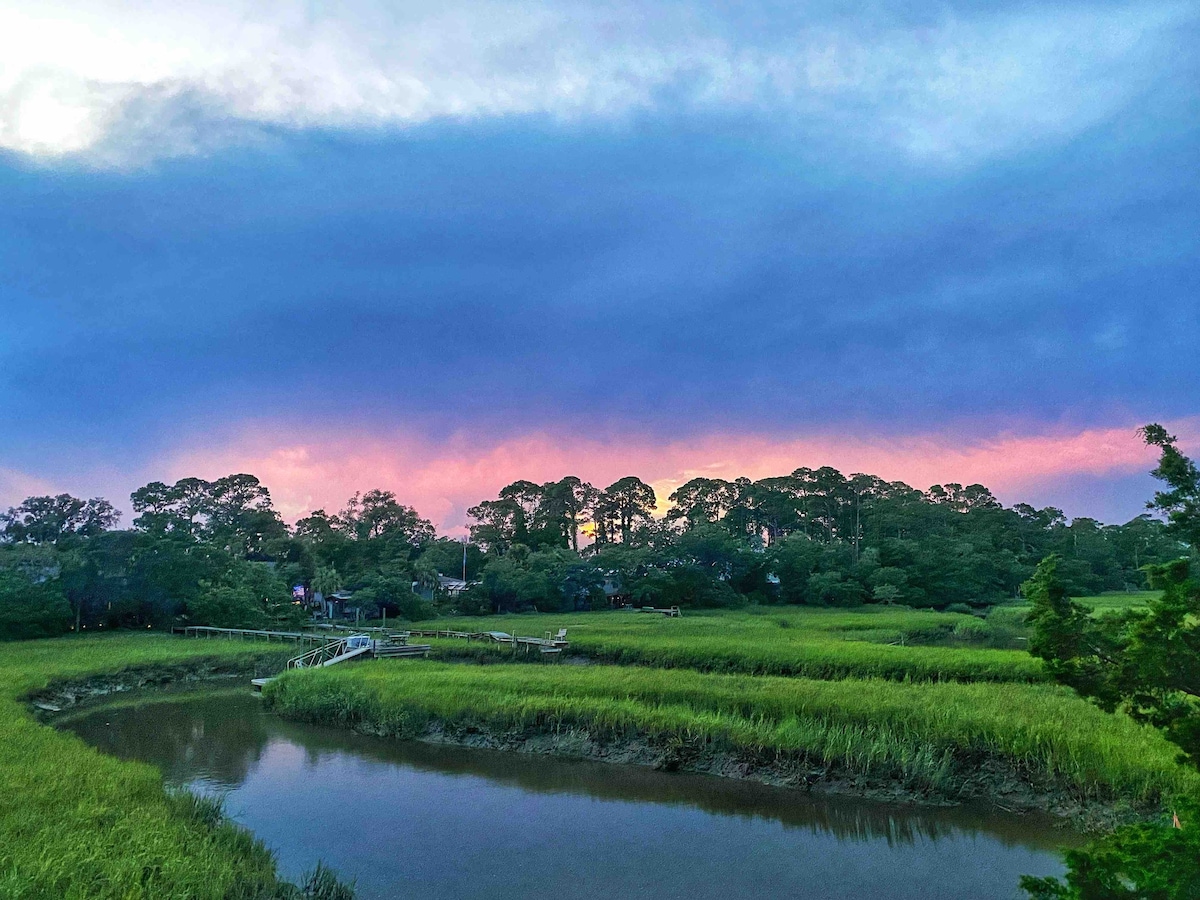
x: 218, y: 552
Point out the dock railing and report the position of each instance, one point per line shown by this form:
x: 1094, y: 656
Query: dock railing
x: 553, y: 642
x: 252, y: 634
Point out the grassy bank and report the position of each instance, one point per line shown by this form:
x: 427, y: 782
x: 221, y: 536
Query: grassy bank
x: 75, y: 823
x: 1101, y: 604
x: 932, y: 736
x: 874, y: 642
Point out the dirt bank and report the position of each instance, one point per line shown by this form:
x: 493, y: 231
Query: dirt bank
x: 62, y: 696
x: 984, y: 780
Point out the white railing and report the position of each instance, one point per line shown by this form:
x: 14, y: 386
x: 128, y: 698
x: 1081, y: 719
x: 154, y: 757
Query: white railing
x: 332, y: 650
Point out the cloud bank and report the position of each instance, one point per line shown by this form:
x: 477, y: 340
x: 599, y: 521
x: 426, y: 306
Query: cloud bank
x: 438, y: 247
x: 124, y: 83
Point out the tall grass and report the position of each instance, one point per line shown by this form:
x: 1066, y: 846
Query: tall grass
x: 925, y: 734
x: 1117, y: 601
x: 813, y: 643
x: 75, y: 823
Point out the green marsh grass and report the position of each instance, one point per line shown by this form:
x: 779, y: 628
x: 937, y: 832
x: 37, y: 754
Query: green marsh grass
x: 75, y: 823
x: 1119, y: 602
x: 918, y: 732
x: 1113, y: 601
x: 874, y: 642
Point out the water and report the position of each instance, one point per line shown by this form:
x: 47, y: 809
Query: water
x: 407, y: 819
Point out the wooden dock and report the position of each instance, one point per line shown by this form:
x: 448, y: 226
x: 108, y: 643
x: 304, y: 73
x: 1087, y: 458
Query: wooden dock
x: 551, y: 643
x: 330, y: 650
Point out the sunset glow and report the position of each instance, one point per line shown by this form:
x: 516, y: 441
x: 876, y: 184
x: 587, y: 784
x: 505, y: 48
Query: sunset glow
x: 442, y: 481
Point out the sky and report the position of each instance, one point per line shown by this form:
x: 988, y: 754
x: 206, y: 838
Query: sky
x: 435, y: 248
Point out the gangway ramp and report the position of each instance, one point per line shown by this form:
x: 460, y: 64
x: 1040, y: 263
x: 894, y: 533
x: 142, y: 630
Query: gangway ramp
x: 356, y: 646
x: 333, y: 652
x: 349, y: 654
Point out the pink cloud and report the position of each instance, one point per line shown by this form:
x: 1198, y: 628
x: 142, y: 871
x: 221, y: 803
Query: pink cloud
x: 19, y: 485
x: 441, y: 479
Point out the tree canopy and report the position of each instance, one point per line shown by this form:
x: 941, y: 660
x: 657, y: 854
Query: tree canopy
x: 814, y: 536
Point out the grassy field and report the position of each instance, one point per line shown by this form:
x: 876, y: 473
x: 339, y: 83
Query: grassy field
x: 920, y: 733
x: 916, y: 697
x: 872, y: 642
x: 1115, y: 601
x: 75, y: 823
x: 1119, y: 602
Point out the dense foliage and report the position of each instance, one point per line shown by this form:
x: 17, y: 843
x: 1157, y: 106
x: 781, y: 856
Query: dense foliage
x: 219, y: 553
x: 1145, y: 662
x: 812, y: 537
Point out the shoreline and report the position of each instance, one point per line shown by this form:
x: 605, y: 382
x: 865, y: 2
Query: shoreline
x: 989, y: 781
x: 995, y: 784
x: 86, y: 823
x: 63, y: 697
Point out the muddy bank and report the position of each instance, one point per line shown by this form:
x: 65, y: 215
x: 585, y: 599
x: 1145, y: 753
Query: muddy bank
x: 66, y: 695
x: 988, y: 781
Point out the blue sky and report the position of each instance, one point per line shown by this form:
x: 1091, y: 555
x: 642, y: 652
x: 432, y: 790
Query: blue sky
x: 432, y: 246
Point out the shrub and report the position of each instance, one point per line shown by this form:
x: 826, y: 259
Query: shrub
x: 973, y: 630
x: 1009, y: 616
x: 29, y: 610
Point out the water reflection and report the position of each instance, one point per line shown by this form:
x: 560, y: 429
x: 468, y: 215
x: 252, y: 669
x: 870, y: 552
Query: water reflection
x: 465, y: 823
x: 218, y: 737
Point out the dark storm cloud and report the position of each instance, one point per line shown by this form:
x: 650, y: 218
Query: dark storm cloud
x: 670, y: 276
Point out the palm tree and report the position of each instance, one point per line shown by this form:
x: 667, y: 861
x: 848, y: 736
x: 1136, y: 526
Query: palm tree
x: 425, y: 574
x: 327, y: 581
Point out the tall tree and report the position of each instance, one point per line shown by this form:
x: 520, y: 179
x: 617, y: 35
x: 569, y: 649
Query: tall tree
x: 702, y: 501
x: 563, y: 509
x: 1147, y: 663
x: 378, y: 514
x: 496, y: 525
x: 48, y: 520
x: 1181, y: 500
x: 234, y: 512
x: 627, y: 503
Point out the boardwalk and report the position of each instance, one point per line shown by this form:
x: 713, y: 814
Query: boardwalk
x: 671, y: 612
x: 329, y: 650
x: 551, y: 643
x: 253, y: 634
x: 333, y: 651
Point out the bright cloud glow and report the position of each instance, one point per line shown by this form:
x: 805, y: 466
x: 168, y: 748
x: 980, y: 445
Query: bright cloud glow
x: 45, y: 123
x: 123, y: 81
